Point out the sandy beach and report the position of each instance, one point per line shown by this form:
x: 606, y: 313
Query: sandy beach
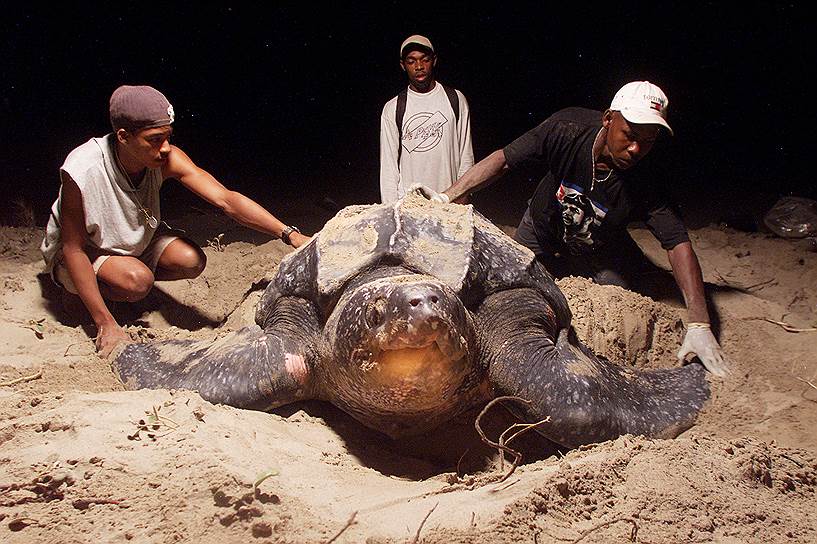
x: 83, y: 460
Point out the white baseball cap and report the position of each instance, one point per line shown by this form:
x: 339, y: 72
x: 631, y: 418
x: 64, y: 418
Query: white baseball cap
x: 416, y: 39
x: 642, y: 102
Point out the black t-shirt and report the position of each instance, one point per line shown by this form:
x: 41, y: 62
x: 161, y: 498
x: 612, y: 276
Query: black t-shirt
x: 571, y: 212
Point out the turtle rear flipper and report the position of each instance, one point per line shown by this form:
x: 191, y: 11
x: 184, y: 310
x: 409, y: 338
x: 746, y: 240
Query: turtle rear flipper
x: 252, y: 368
x: 588, y: 398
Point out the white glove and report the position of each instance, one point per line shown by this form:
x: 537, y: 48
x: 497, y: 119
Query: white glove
x: 700, y: 341
x: 429, y: 193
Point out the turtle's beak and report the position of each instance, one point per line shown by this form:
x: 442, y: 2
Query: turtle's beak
x: 419, y: 315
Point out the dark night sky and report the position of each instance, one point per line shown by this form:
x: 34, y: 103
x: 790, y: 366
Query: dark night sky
x: 285, y: 101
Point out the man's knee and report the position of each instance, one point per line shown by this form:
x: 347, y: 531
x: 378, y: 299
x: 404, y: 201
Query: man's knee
x: 195, y: 265
x: 182, y: 261
x: 131, y: 284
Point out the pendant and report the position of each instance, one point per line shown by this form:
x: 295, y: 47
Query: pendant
x: 150, y: 218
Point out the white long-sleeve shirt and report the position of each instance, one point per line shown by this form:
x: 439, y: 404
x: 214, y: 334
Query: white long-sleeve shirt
x: 436, y: 147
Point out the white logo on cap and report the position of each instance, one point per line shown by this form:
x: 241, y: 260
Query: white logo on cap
x: 170, y: 113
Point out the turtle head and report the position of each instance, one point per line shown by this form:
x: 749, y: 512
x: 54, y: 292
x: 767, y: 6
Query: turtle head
x: 403, y: 353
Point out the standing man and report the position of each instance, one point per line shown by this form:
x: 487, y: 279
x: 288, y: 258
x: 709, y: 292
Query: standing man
x: 593, y: 186
x: 425, y: 131
x: 105, y: 238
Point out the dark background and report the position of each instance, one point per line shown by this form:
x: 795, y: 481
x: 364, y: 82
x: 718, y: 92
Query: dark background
x: 283, y: 103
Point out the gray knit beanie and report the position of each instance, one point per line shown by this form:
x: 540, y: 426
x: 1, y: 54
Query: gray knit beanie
x: 137, y: 107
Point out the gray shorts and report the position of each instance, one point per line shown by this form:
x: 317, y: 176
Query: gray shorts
x: 150, y: 257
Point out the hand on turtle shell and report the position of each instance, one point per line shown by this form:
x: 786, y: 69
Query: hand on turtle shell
x: 430, y: 193
x: 299, y: 239
x: 109, y: 337
x: 700, y: 341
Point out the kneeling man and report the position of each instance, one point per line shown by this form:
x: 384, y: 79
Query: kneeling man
x: 105, y: 238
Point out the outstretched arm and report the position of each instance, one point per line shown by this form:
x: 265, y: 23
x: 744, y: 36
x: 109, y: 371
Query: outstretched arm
x: 238, y: 207
x: 699, y: 339
x: 478, y: 176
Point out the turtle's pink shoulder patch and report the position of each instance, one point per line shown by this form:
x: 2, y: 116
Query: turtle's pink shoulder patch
x: 296, y: 366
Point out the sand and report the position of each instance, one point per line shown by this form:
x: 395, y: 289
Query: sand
x: 83, y: 460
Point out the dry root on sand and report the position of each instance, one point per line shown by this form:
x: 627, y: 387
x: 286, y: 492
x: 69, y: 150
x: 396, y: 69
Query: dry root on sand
x: 23, y: 379
x: 502, y: 445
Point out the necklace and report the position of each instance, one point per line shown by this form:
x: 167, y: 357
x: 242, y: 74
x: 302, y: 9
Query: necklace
x: 593, y: 178
x: 150, y: 219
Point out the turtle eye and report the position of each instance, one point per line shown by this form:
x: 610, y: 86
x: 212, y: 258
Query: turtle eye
x: 375, y: 312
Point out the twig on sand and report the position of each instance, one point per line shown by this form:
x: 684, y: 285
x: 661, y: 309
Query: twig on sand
x: 348, y: 524
x: 785, y: 325
x: 23, y: 379
x: 633, y: 531
x: 460, y: 460
x: 809, y: 382
x: 416, y: 538
x: 502, y: 445
x: 760, y: 285
x: 782, y: 324
x: 525, y: 427
x: 806, y: 382
x: 68, y: 348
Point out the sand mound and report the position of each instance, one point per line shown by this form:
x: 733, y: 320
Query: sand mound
x: 623, y: 326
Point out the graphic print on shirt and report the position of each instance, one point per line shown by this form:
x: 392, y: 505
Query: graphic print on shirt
x: 423, y: 131
x: 580, y: 215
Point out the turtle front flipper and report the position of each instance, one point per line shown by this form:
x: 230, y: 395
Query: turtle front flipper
x: 252, y: 368
x: 588, y: 398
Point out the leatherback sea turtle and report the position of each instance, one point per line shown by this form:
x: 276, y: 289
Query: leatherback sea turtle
x: 404, y: 315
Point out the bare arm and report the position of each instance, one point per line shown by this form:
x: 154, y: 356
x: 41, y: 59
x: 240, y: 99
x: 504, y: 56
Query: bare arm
x: 73, y: 234
x: 687, y: 272
x: 478, y: 176
x: 698, y: 339
x: 238, y: 207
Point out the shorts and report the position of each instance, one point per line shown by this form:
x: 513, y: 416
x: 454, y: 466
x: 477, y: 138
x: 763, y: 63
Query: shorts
x: 150, y: 257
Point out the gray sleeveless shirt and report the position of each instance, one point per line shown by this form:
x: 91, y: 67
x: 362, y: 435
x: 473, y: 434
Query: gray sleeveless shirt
x: 114, y: 219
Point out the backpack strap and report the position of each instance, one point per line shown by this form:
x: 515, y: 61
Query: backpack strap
x: 454, y: 99
x: 400, y: 112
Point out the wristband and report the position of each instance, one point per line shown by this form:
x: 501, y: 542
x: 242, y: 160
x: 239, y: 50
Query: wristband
x: 698, y: 325
x: 286, y: 232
